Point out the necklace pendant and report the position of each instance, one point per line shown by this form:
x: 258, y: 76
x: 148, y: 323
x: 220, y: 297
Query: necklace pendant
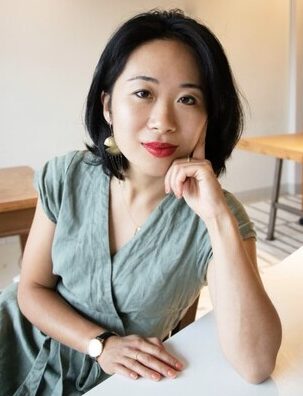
x: 137, y: 230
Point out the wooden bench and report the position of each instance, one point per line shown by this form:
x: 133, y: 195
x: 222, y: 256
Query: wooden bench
x: 18, y: 200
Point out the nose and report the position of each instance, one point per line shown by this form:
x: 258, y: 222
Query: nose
x: 162, y: 118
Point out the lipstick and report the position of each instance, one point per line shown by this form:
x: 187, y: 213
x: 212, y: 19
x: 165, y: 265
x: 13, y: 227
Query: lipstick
x: 160, y: 150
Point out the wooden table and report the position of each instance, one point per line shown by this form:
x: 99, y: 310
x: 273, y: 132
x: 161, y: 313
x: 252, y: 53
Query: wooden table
x: 282, y: 147
x: 18, y: 200
x: 208, y: 373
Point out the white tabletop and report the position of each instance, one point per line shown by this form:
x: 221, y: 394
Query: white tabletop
x: 207, y: 372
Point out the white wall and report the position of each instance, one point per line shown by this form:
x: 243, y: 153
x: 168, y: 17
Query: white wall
x: 48, y: 51
x: 296, y: 112
x: 255, y: 35
x: 298, y: 60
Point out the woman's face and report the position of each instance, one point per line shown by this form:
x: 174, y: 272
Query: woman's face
x: 156, y: 107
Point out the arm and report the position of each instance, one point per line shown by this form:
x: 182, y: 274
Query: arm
x: 132, y: 356
x: 248, y: 325
x: 37, y: 296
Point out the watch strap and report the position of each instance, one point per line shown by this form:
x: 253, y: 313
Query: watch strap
x: 105, y: 335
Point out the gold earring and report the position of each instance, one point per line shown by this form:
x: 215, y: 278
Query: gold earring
x: 111, y: 144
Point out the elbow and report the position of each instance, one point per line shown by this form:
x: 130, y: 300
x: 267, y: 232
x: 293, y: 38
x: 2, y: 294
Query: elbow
x: 257, y: 372
x: 258, y: 364
x: 25, y: 299
x: 257, y: 376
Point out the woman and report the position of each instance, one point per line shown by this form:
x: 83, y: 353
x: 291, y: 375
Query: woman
x: 127, y: 233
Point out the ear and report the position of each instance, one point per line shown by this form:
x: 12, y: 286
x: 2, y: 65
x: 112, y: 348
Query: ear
x: 105, y: 100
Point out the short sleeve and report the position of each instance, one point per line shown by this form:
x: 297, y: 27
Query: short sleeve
x: 49, y: 183
x: 246, y: 226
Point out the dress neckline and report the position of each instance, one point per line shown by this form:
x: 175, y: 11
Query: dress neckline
x: 143, y: 228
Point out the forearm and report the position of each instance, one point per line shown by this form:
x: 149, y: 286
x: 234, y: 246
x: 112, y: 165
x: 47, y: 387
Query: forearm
x: 132, y: 356
x: 49, y: 312
x: 248, y: 325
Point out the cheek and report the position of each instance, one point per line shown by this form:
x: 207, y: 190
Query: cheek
x: 125, y: 128
x: 194, y: 127
x: 193, y: 133
x: 127, y: 116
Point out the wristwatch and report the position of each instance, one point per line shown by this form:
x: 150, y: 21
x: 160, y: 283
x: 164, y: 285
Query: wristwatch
x: 96, y: 345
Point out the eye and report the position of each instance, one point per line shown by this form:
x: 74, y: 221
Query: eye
x: 143, y: 94
x: 188, y: 100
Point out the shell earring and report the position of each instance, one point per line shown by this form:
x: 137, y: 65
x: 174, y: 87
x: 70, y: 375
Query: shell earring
x: 111, y: 145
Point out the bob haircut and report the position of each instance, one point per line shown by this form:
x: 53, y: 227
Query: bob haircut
x: 223, y: 107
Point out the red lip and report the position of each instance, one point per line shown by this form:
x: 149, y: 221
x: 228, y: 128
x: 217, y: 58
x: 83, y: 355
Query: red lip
x: 159, y: 149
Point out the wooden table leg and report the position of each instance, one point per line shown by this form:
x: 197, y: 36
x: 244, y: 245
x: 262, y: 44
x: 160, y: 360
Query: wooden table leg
x: 274, y: 200
x: 17, y: 222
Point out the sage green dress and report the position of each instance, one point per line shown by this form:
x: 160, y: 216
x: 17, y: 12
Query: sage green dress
x: 144, y: 288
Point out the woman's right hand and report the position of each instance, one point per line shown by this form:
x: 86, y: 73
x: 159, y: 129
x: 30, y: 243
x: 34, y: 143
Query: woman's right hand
x: 134, y: 357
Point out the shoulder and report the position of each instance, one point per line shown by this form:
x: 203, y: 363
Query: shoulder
x: 74, y: 161
x: 63, y: 176
x: 62, y: 164
x: 233, y: 202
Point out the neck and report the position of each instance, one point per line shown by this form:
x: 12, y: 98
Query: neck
x: 143, y: 188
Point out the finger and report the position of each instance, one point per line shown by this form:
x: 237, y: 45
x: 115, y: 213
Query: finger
x: 169, y: 178
x: 126, y: 372
x: 156, y: 365
x: 161, y: 353
x: 136, y: 366
x: 155, y: 341
x: 171, y: 172
x: 182, y: 174
x: 180, y: 177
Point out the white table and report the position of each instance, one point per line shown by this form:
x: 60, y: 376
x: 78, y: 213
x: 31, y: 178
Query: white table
x: 207, y: 373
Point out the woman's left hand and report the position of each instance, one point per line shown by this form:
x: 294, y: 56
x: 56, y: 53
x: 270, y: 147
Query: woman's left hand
x: 195, y: 181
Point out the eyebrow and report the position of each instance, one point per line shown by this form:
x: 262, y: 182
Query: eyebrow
x: 154, y: 80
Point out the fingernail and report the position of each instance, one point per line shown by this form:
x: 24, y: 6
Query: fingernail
x: 156, y: 377
x: 179, y: 365
x: 134, y: 376
x: 171, y: 373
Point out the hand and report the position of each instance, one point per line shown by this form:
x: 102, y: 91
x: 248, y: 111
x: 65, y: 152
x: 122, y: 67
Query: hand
x: 195, y: 181
x: 134, y: 357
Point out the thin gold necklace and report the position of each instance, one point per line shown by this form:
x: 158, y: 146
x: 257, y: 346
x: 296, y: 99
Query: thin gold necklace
x: 137, y: 228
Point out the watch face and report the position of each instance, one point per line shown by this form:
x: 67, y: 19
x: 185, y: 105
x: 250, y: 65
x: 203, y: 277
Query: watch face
x: 94, y: 348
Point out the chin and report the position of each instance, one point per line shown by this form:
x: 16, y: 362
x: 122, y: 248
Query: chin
x: 153, y: 172
x: 152, y: 169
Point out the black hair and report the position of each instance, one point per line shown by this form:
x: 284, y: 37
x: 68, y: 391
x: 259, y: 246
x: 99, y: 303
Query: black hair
x: 223, y: 107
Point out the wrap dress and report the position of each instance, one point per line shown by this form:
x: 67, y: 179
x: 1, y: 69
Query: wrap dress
x: 145, y: 288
